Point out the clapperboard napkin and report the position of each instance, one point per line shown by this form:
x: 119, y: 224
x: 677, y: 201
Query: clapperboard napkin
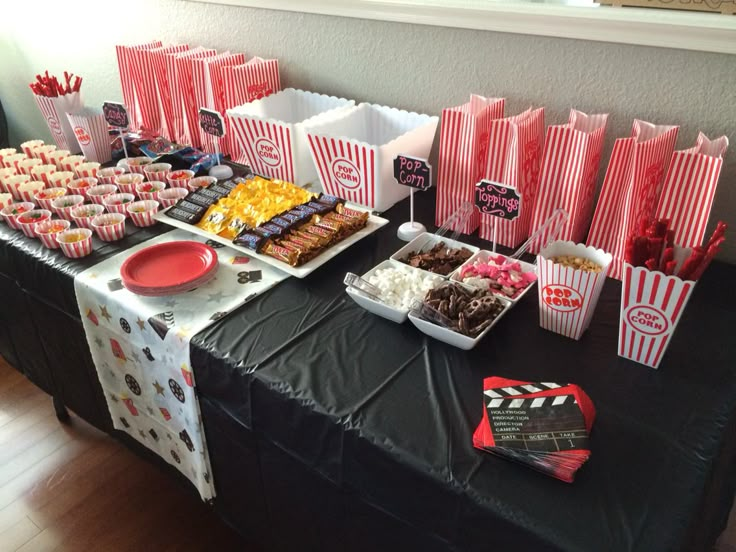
x: 542, y: 425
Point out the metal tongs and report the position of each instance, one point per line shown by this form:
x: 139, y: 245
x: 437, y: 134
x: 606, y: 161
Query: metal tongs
x: 554, y: 224
x: 363, y: 286
x: 456, y: 221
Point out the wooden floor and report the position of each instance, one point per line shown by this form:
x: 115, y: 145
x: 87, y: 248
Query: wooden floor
x: 73, y: 488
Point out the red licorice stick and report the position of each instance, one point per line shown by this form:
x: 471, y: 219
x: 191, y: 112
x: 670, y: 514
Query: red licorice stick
x: 656, y: 245
x: 691, y: 264
x: 670, y: 238
x: 641, y: 250
x: 660, y: 228
x: 667, y: 257
x: 718, y: 233
x: 710, y: 254
x: 651, y: 264
x: 669, y: 268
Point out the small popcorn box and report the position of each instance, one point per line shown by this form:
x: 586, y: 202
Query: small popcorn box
x: 98, y: 193
x: 186, y: 116
x: 136, y: 95
x: 5, y: 152
x: 26, y: 165
x: 71, y: 162
x: 42, y: 173
x: 49, y: 229
x: 42, y: 152
x: 651, y: 306
x: 5, y: 174
x: 63, y: 206
x: 30, y: 146
x: 689, y: 189
x: 170, y: 197
x: 164, y: 76
x: 631, y: 188
x: 568, y: 296
x: 156, y: 172
x: 142, y: 213
x: 354, y: 151
x: 54, y: 110
x: 60, y: 179
x: 90, y: 128
x: 13, y: 183
x: 55, y: 157
x: 272, y: 132
x: 5, y: 200
x: 109, y: 227
x: 27, y: 221
x: 11, y: 161
x: 28, y: 190
x: 76, y: 243
x: 87, y: 170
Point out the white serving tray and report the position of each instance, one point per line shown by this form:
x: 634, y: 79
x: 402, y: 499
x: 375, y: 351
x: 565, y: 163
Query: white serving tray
x: 427, y: 241
x: 374, y: 223
x: 483, y: 257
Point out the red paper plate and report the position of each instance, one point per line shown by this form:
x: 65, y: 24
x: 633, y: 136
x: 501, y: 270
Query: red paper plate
x: 168, y: 265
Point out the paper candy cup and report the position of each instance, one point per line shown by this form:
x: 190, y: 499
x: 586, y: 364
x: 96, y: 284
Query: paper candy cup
x: 568, y: 297
x: 127, y: 183
x: 5, y: 173
x: 13, y: 160
x: 109, y: 174
x: 153, y: 195
x: 271, y: 132
x: 48, y: 238
x: 82, y: 185
x: 13, y: 182
x: 97, y: 194
x: 118, y: 203
x: 60, y: 179
x: 29, y: 228
x: 42, y: 152
x: 200, y: 182
x: 87, y: 170
x: 71, y: 162
x: 5, y: 200
x: 179, y: 179
x: 42, y: 172
x: 157, y: 171
x: 63, y: 206
x: 83, y: 214
x: 169, y: 198
x: 26, y: 165
x: 109, y: 227
x: 143, y: 218
x: 72, y: 246
x: 90, y: 129
x: 47, y: 202
x: 651, y: 306
x: 55, y: 157
x: 29, y: 147
x: 30, y: 190
x: 137, y: 164
x: 53, y: 111
x: 5, y: 152
x: 354, y: 152
x: 11, y: 218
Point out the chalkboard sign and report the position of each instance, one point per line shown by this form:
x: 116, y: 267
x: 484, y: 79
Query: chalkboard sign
x: 497, y: 200
x: 412, y: 172
x: 115, y: 114
x: 211, y: 122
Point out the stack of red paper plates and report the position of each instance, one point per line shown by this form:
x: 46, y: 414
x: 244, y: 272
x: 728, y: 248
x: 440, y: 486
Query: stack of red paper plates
x: 169, y: 268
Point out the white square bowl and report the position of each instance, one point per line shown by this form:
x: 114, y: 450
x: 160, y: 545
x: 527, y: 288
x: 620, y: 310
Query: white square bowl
x: 483, y: 257
x: 426, y: 241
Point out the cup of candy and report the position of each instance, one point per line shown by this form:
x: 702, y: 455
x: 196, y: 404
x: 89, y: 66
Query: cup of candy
x: 26, y: 165
x: 43, y: 153
x: 76, y: 243
x: 509, y: 278
x: 48, y: 230
x: 150, y: 190
x: 5, y: 173
x: 179, y: 179
x: 28, y: 190
x: 5, y: 200
x: 109, y: 227
x: 5, y: 152
x: 137, y: 164
x: 87, y: 170
x: 143, y: 212
x: 12, y: 160
x: 71, y: 162
x: 83, y: 214
x: 171, y: 196
x: 29, y: 147
x: 81, y: 186
x: 11, y: 213
x: 200, y: 182
x: 60, y: 179
x: 28, y: 220
x: 98, y: 193
x: 126, y: 183
x: 63, y: 205
x: 108, y: 174
x: 13, y: 183
x: 42, y: 172
x: 157, y: 171
x: 46, y: 197
x: 56, y: 157
x: 118, y: 203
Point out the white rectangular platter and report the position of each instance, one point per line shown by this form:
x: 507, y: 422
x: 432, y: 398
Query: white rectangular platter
x: 374, y: 223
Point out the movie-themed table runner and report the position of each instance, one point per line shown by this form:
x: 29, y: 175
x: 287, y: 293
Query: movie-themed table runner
x: 140, y: 348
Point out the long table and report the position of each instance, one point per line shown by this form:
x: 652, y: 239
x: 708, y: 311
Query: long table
x: 332, y: 429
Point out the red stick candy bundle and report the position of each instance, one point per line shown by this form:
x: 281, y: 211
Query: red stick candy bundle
x: 653, y: 248
x: 50, y: 86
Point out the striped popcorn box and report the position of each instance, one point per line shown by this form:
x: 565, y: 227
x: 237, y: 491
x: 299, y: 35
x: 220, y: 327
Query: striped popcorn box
x: 131, y: 79
x: 75, y: 243
x: 13, y: 183
x: 49, y: 229
x: 10, y: 213
x: 28, y: 190
x: 142, y: 213
x: 462, y: 156
x: 272, y: 132
x: 55, y: 157
x: 28, y: 220
x: 60, y: 179
x: 158, y: 58
x: 29, y: 147
x: 689, y: 189
x: 169, y: 198
x: 64, y: 205
x: 92, y: 133
x: 71, y: 162
x: 5, y: 152
x: 208, y: 92
x: 26, y: 165
x: 156, y: 172
x: 98, y: 193
x: 631, y: 188
x: 127, y: 183
x: 651, y: 306
x: 42, y: 173
x: 514, y: 153
x: 43, y: 152
x: 568, y: 296
x: 109, y: 174
x: 87, y: 170
x: 6, y: 173
x: 568, y: 175
x: 118, y: 203
x: 53, y: 111
x: 109, y: 227
x: 354, y: 151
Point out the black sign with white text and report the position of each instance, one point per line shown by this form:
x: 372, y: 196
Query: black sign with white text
x: 497, y: 200
x: 412, y: 172
x: 211, y: 122
x: 115, y: 114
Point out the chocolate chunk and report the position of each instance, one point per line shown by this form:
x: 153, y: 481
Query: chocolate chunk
x: 439, y: 259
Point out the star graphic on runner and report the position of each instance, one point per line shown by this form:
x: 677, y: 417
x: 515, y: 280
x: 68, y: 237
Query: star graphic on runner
x: 171, y: 303
x: 216, y: 297
x: 150, y: 410
x: 99, y: 342
x: 159, y: 390
x: 135, y: 357
x: 141, y: 324
x: 104, y: 313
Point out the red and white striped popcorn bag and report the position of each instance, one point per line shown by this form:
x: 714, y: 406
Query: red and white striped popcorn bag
x: 208, y: 92
x: 689, y: 189
x: 147, y: 215
x: 631, y: 188
x: 174, y: 115
x: 568, y: 296
x: 156, y: 65
x: 651, y: 306
x: 186, y: 111
x: 514, y: 154
x: 568, y: 175
x: 109, y: 227
x: 463, y: 151
x: 91, y: 131
x: 134, y: 89
x: 54, y: 113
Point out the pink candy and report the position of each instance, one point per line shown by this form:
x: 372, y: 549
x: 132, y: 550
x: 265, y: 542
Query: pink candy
x: 502, y: 271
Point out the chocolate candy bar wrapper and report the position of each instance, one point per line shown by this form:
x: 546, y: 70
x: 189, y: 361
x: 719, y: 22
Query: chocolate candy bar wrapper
x: 209, y: 193
x: 333, y: 201
x: 251, y: 240
x: 281, y: 253
x: 190, y: 207
x: 200, y: 199
x: 219, y: 189
x: 184, y: 216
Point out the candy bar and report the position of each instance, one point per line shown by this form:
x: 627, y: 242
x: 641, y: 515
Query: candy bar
x: 200, y: 199
x: 440, y: 259
x: 281, y: 253
x: 184, y: 216
x: 207, y: 192
x: 274, y: 230
x: 250, y: 240
x: 190, y: 207
x: 330, y: 200
x: 320, y: 208
x: 219, y: 189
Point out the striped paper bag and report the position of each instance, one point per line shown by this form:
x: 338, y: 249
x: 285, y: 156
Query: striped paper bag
x: 156, y: 60
x: 91, y: 131
x: 186, y: 116
x: 54, y: 113
x: 572, y: 156
x: 209, y: 93
x: 462, y: 156
x: 631, y: 188
x: 514, y: 154
x: 130, y: 79
x: 689, y: 188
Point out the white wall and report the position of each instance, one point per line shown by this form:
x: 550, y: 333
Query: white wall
x: 412, y: 67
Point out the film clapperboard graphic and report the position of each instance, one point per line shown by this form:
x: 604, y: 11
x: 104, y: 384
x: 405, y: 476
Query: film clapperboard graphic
x: 542, y: 425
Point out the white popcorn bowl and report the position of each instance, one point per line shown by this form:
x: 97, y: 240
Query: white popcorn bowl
x: 50, y: 193
x: 12, y: 183
x: 60, y: 179
x: 82, y: 215
x: 483, y: 256
x: 71, y: 162
x: 118, y: 203
x: 426, y: 241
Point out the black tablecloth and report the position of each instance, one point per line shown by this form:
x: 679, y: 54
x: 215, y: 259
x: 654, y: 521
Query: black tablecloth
x: 332, y: 429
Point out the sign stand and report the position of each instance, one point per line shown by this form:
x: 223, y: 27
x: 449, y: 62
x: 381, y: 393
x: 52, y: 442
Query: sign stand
x: 417, y: 174
x: 499, y: 201
x: 212, y: 123
x: 117, y: 116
